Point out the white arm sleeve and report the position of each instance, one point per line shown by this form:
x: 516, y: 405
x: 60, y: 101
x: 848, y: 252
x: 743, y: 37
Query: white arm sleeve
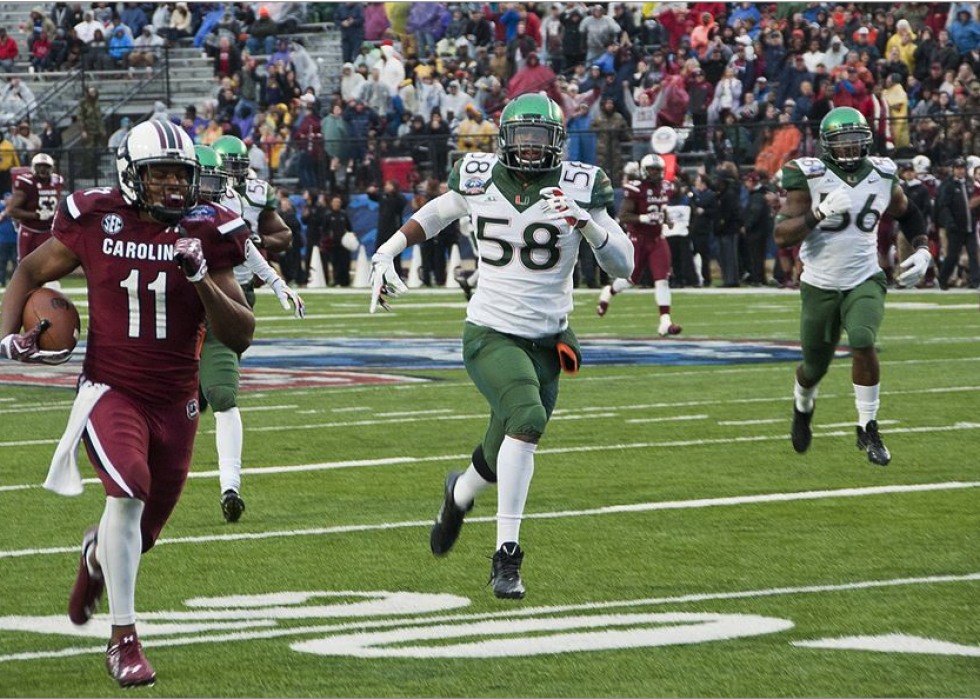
x: 613, y: 248
x: 257, y: 265
x: 440, y: 212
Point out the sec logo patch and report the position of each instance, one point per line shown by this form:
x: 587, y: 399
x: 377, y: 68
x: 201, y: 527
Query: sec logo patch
x: 112, y: 224
x: 192, y: 409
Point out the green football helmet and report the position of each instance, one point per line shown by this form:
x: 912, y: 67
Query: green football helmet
x: 234, y: 156
x: 845, y: 138
x: 212, y: 182
x: 532, y: 134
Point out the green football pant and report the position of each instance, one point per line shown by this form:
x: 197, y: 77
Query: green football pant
x: 220, y: 367
x: 859, y: 311
x: 519, y: 379
x: 219, y: 374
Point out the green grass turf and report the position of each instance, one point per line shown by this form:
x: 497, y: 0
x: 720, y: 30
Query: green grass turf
x: 928, y: 352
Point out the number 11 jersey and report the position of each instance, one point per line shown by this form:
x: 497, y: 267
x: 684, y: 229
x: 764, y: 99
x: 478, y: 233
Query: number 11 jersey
x: 146, y: 321
x: 526, y: 259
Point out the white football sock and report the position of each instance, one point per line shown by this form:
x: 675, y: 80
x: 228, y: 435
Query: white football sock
x: 515, y: 466
x: 620, y: 285
x: 468, y: 486
x: 228, y: 440
x: 118, y: 552
x: 805, y: 397
x: 661, y: 292
x: 866, y: 400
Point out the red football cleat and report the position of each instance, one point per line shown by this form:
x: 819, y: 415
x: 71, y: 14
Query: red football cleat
x: 127, y: 664
x: 87, y: 592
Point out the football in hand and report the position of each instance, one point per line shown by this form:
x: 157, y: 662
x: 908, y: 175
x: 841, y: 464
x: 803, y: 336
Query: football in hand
x: 61, y: 314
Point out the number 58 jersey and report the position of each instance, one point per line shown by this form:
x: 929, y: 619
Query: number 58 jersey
x: 526, y: 259
x: 842, y: 251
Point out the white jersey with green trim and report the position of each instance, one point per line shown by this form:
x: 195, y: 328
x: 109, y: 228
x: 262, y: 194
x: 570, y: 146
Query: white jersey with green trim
x: 249, y: 207
x: 526, y: 259
x: 842, y: 252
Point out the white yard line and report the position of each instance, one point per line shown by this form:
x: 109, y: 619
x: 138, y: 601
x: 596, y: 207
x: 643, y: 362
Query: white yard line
x: 673, y: 418
x: 852, y: 424
x: 421, y: 415
x: 38, y: 407
x: 611, y: 509
x: 398, y: 460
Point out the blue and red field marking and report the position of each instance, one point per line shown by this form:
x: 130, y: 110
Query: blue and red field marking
x: 411, y: 354
x: 338, y: 363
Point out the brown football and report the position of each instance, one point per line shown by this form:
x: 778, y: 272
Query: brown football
x: 53, y: 306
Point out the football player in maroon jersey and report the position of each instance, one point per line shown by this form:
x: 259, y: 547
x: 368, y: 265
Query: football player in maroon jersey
x: 35, y: 199
x: 644, y: 214
x: 157, y: 265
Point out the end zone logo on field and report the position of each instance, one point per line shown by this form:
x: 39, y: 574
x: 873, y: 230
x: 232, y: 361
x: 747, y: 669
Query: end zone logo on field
x: 427, y: 353
x: 322, y: 363
x: 257, y: 375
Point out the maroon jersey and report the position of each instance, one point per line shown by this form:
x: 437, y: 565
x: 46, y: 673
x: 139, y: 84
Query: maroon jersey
x: 651, y: 200
x: 931, y: 184
x: 146, y: 321
x: 42, y: 198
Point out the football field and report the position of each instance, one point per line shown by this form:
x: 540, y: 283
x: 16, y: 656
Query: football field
x: 675, y: 543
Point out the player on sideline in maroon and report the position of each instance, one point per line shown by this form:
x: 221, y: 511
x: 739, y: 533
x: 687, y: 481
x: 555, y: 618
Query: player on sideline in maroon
x: 36, y: 195
x: 644, y: 213
x: 157, y: 265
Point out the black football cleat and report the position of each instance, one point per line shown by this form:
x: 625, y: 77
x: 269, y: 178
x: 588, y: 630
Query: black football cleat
x: 232, y: 506
x: 869, y: 440
x: 505, y: 572
x: 801, y: 434
x: 449, y: 521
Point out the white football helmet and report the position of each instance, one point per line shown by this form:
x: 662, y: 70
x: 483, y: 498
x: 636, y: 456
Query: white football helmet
x: 41, y: 159
x: 664, y: 140
x: 921, y: 164
x: 632, y: 170
x: 650, y: 165
x: 972, y: 163
x: 152, y: 143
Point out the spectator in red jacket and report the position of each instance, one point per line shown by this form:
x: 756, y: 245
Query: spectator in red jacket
x: 8, y: 52
x: 534, y: 77
x: 41, y: 53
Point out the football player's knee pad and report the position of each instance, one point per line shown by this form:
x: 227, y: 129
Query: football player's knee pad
x: 861, y: 337
x: 221, y: 397
x: 527, y: 420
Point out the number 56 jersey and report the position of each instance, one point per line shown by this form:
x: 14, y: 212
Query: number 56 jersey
x: 842, y: 251
x: 526, y: 259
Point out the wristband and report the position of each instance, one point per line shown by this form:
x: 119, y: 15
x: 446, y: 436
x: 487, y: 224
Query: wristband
x: 593, y: 232
x: 810, y: 219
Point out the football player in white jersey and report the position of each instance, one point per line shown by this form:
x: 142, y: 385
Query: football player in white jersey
x: 833, y: 207
x: 220, y: 368
x: 530, y: 211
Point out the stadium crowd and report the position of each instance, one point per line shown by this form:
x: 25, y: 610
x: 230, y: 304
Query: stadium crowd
x: 744, y: 85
